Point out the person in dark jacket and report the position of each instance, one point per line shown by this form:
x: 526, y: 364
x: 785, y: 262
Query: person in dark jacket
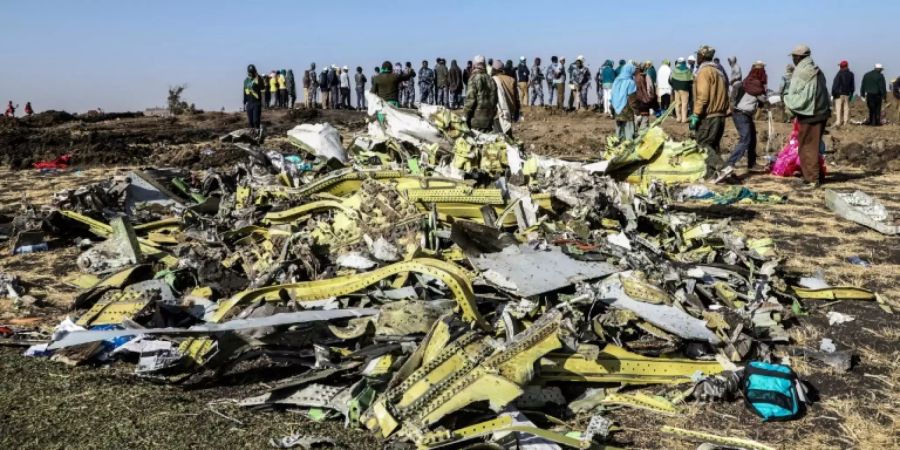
x: 455, y: 84
x: 291, y: 85
x: 325, y: 89
x: 808, y: 100
x: 361, y: 80
x: 386, y: 84
x: 253, y: 97
x: 842, y: 89
x: 873, y: 89
x: 467, y: 73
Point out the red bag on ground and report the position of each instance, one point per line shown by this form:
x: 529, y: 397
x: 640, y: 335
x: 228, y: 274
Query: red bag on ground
x: 61, y: 162
x: 788, y: 162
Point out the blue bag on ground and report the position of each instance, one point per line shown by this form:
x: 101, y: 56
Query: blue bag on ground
x: 770, y: 391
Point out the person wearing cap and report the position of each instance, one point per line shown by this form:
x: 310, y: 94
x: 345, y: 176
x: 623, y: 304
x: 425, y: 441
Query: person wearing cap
x: 807, y: 99
x: 842, y: 89
x: 386, y: 85
x: 710, y: 101
x: 682, y: 81
x: 253, y: 95
x: 441, y: 85
x: 873, y: 89
x: 663, y: 86
x: 454, y: 84
x: 508, y: 106
x: 426, y: 84
x: 481, y: 98
x: 523, y: 76
x: 536, y: 83
x: 895, y: 91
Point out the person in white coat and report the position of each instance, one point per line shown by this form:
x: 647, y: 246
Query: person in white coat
x: 663, y: 87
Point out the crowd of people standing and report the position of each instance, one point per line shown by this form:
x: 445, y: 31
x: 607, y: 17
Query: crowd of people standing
x: 696, y: 90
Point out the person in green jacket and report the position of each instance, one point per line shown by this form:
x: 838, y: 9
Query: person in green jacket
x: 481, y: 98
x: 809, y: 101
x: 386, y: 84
x: 682, y: 81
x: 874, y: 90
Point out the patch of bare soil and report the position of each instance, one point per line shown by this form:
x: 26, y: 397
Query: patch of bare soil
x: 131, y: 138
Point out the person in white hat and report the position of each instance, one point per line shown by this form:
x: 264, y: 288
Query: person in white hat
x: 523, y: 76
x: 579, y: 78
x: 874, y: 90
x: 345, y: 87
x: 809, y: 101
x: 682, y: 81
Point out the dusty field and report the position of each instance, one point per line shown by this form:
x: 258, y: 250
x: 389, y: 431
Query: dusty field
x: 48, y: 405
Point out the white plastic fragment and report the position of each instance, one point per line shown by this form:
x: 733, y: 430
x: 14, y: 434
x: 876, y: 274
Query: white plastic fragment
x: 320, y: 139
x: 836, y: 318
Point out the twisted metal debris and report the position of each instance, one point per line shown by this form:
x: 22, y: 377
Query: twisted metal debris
x: 428, y: 281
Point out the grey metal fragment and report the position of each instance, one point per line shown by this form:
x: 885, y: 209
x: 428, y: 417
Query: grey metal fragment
x: 862, y: 209
x: 526, y: 271
x: 120, y: 249
x: 668, y: 318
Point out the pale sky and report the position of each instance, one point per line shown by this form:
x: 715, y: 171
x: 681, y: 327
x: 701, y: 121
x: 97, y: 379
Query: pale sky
x: 122, y: 55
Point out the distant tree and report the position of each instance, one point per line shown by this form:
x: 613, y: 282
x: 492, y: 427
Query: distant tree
x: 177, y: 106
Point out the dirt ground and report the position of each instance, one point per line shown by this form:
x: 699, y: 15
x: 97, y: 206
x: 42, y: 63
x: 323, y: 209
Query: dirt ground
x: 47, y: 405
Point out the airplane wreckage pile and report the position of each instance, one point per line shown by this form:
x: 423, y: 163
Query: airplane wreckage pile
x: 430, y: 283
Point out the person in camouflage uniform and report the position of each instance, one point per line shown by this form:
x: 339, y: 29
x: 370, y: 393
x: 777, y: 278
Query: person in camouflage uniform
x: 408, y: 88
x: 550, y: 77
x: 585, y: 87
x: 426, y: 84
x: 311, y: 86
x: 481, y: 98
x: 537, y: 82
x: 441, y: 82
